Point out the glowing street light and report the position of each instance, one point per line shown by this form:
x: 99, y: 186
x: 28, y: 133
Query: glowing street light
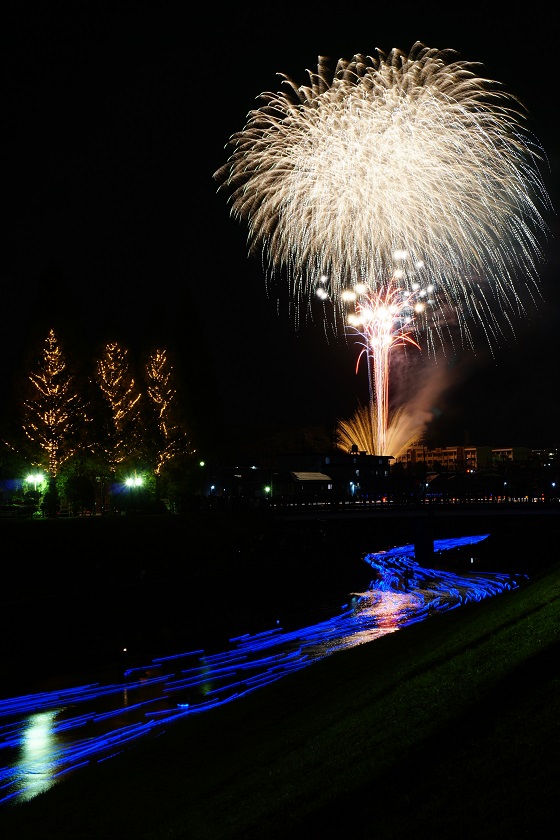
x: 133, y: 483
x: 35, y: 479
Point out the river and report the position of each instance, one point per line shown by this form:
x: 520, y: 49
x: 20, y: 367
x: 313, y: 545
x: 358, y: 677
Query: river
x: 45, y: 735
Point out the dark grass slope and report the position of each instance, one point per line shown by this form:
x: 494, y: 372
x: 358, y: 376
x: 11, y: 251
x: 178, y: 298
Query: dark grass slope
x: 448, y: 729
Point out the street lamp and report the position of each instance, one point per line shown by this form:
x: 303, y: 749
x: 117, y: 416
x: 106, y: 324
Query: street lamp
x: 201, y: 483
x: 133, y: 482
x: 35, y: 479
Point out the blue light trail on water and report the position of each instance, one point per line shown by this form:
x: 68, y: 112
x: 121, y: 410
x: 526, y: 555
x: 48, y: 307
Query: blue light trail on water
x: 44, y: 736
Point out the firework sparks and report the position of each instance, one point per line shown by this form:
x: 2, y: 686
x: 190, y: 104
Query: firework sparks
x: 383, y: 320
x: 395, y: 153
x: 404, y: 429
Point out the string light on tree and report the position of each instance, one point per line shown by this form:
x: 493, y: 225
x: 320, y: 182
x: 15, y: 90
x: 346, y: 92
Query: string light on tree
x: 172, y: 439
x: 53, y: 412
x: 122, y: 397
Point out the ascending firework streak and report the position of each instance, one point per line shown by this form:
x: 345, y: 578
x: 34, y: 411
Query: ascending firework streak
x: 396, y: 153
x: 383, y: 320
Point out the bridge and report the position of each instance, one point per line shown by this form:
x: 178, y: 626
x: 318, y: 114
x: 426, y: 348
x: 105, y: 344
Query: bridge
x: 422, y: 517
x: 351, y: 510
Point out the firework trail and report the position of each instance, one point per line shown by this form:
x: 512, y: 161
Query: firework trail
x: 382, y: 321
x: 394, y: 154
x: 407, y: 419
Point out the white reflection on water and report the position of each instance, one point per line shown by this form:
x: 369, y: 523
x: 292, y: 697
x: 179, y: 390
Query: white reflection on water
x: 375, y: 614
x: 38, y: 750
x: 43, y: 736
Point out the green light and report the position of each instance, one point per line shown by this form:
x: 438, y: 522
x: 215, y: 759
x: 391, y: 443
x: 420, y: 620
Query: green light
x: 134, y: 481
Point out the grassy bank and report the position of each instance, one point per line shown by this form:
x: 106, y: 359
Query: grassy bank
x: 446, y: 729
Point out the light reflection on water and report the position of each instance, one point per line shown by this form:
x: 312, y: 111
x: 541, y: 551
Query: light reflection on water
x: 38, y: 748
x: 44, y: 736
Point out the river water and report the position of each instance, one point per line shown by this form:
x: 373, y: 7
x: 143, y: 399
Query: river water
x: 46, y: 735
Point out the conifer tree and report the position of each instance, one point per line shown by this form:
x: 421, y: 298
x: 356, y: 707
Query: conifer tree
x: 171, y: 439
x: 123, y: 438
x: 53, y: 411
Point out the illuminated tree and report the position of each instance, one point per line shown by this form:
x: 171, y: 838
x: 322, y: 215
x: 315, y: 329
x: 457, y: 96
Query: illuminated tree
x: 122, y: 439
x: 53, y: 413
x: 171, y: 439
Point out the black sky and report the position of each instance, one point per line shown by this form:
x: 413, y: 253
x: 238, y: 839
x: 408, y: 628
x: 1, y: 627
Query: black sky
x: 116, y: 117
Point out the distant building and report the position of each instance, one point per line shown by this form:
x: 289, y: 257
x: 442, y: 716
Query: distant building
x: 462, y: 458
x: 355, y: 476
x: 305, y: 477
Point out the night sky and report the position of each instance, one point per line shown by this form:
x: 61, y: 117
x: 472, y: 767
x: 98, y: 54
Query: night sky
x: 116, y: 116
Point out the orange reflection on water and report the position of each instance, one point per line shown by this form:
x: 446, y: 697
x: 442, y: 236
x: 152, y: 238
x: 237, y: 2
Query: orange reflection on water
x: 375, y: 614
